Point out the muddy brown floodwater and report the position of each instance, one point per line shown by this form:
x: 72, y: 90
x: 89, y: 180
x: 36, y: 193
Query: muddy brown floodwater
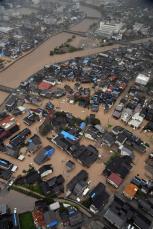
x: 36, y: 60
x: 3, y: 96
x: 30, y: 64
x: 83, y: 26
x: 59, y: 158
x: 90, y: 12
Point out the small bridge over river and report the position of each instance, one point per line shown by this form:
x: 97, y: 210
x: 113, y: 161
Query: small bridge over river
x: 6, y: 89
x: 82, y: 34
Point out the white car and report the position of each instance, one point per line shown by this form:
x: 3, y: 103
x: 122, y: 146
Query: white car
x: 86, y: 191
x: 21, y: 157
x: 78, y: 199
x: 11, y: 182
x: 14, y: 168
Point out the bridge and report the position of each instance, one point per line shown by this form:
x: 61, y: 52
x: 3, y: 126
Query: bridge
x: 82, y: 34
x: 92, y: 18
x: 74, y: 203
x: 6, y: 89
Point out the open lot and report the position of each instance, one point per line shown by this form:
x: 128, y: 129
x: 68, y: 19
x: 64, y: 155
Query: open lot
x: 24, y: 203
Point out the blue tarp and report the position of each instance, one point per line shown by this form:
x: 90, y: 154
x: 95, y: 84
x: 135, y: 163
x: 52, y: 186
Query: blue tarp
x: 15, y: 219
x: 82, y: 125
x: 72, y: 212
x: 53, y: 223
x: 68, y: 136
x: 49, y: 152
x: 93, y: 195
x: 1, y: 53
x: 3, y: 162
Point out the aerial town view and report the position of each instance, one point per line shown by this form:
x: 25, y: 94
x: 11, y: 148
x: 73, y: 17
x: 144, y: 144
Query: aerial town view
x: 76, y: 114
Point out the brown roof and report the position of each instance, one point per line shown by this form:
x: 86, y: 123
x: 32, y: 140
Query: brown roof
x: 115, y: 179
x: 38, y: 218
x: 6, y: 120
x: 130, y: 191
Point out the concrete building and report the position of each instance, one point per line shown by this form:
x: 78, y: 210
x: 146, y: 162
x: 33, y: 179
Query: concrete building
x: 142, y: 79
x: 108, y: 30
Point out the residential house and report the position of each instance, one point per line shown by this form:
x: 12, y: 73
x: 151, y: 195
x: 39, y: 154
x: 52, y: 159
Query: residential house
x: 82, y: 176
x: 34, y: 144
x: 45, y: 170
x: 126, y: 115
x: 98, y: 197
x: 130, y: 191
x: 115, y: 180
x: 108, y: 139
x: 122, y: 213
x: 54, y: 185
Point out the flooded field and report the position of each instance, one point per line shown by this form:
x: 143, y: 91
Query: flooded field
x: 86, y: 43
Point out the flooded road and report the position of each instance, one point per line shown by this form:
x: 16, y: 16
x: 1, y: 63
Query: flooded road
x: 59, y: 158
x: 3, y: 96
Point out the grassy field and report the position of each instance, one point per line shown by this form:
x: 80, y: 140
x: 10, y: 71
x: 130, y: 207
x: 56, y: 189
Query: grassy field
x: 26, y: 219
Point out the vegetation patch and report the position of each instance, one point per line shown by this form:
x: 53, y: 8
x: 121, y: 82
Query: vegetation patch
x: 26, y: 221
x: 34, y: 188
x: 65, y: 48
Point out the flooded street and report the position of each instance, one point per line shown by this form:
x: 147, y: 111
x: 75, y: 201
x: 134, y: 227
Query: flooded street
x: 59, y: 158
x: 3, y: 96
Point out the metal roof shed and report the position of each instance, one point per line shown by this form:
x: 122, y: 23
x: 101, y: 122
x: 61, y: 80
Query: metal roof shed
x: 142, y: 79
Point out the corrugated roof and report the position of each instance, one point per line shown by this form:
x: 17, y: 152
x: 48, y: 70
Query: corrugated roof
x: 115, y: 178
x: 44, y: 85
x: 130, y: 190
